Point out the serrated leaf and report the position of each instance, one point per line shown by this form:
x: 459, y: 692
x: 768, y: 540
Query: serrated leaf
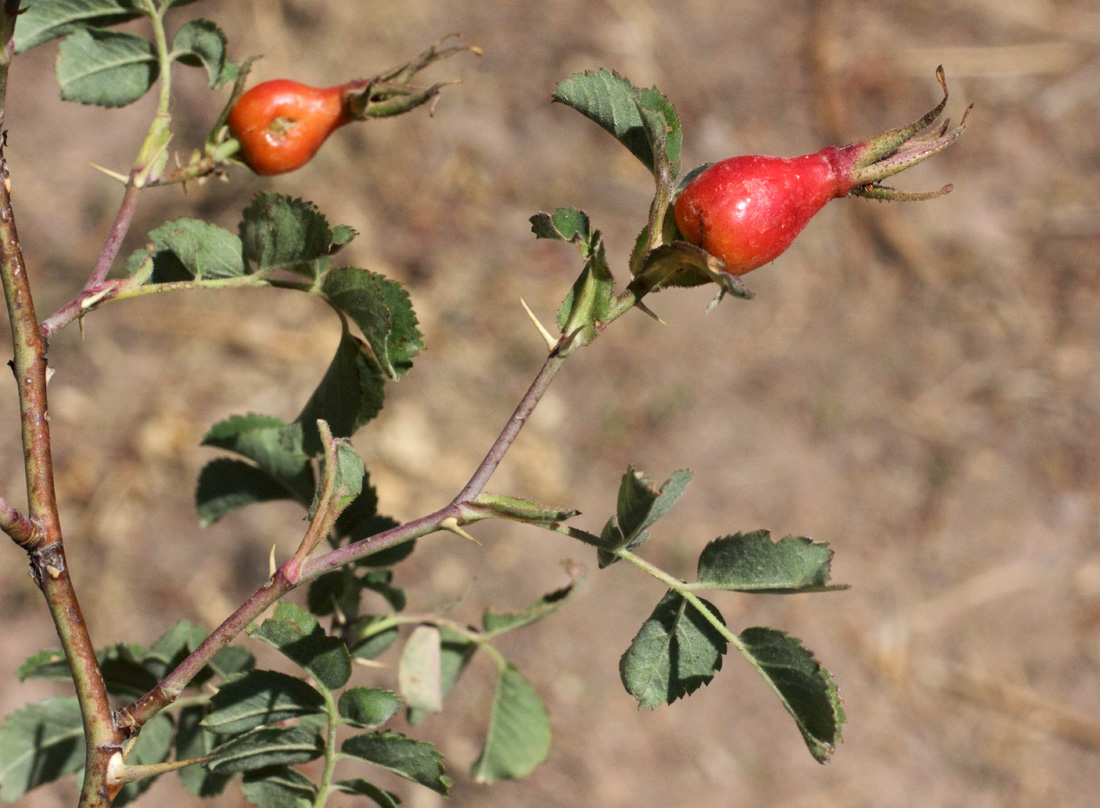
x: 565, y: 224
x: 38, y: 744
x: 43, y: 20
x: 192, y: 741
x: 258, y: 698
x: 281, y: 232
x: 325, y: 658
x: 368, y: 707
x: 226, y: 485
x: 362, y: 788
x: 589, y: 301
x: 752, y: 562
x: 414, y: 760
x: 499, y: 622
x: 640, y: 504
x: 419, y: 672
x: 382, y: 311
x: 455, y: 652
x: 275, y: 446
x: 613, y: 103
x: 153, y: 745
x: 189, y: 249
x: 278, y: 787
x: 519, y: 731
x: 201, y: 43
x: 675, y: 652
x: 806, y: 689
x: 683, y: 265
x: 232, y: 660
x: 521, y: 510
x: 267, y: 746
x: 105, y: 68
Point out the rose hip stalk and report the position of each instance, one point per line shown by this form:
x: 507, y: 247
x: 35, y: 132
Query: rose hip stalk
x: 747, y: 210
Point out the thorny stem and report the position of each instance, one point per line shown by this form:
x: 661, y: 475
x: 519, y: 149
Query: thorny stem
x: 43, y: 541
x: 294, y: 572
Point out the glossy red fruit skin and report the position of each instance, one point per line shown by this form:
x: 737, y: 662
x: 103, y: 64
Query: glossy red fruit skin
x: 281, y: 124
x: 747, y: 210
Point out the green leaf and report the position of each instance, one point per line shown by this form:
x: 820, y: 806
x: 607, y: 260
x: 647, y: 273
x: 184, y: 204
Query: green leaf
x: 362, y: 788
x: 278, y: 787
x: 382, y: 311
x: 280, y: 232
x: 639, y: 504
x: 414, y: 760
x: 455, y: 652
x: 616, y: 105
x: 419, y: 672
x: 752, y: 562
x: 189, y: 249
x: 43, y: 20
x: 806, y: 689
x: 172, y: 647
x: 226, y: 485
x: 675, y: 652
x: 105, y: 68
x: 521, y: 510
x: 153, y: 745
x: 588, y: 303
x: 38, y: 744
x: 123, y: 672
x: 231, y: 660
x: 273, y: 445
x: 519, y: 731
x: 268, y: 746
x: 565, y: 224
x: 192, y: 741
x: 368, y: 707
x: 366, y: 641
x: 259, y: 698
x: 201, y: 43
x: 325, y: 658
x: 500, y: 622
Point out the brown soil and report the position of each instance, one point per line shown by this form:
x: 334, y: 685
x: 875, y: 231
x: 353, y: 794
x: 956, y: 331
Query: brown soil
x: 916, y: 385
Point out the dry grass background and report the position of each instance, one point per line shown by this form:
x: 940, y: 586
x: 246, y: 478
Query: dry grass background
x: 917, y: 385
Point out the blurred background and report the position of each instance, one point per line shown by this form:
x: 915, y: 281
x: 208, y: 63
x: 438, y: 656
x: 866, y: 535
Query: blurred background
x: 918, y: 385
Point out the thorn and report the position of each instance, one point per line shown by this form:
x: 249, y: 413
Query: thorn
x: 112, y: 174
x: 547, y: 337
x: 642, y: 307
x: 369, y: 663
x: 451, y: 524
x: 271, y: 563
x: 91, y: 300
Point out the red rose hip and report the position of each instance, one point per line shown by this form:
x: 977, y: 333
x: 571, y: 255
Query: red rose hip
x: 747, y: 210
